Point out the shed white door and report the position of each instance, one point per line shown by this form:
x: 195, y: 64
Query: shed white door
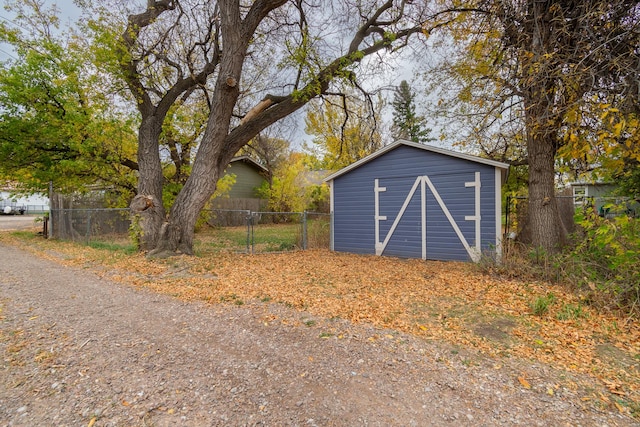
x: 435, y: 217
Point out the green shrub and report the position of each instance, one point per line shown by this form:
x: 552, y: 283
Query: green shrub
x: 540, y: 306
x: 601, y: 264
x: 604, y: 260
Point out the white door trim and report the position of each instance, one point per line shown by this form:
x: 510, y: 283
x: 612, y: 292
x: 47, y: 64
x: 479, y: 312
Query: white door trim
x: 424, y: 181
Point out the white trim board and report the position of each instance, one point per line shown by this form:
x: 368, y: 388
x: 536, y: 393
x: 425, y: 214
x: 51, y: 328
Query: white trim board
x: 423, y: 182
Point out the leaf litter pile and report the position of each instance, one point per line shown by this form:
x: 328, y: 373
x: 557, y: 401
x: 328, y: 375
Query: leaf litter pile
x: 447, y: 301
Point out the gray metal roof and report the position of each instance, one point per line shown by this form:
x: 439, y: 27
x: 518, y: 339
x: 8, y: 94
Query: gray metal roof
x: 430, y: 148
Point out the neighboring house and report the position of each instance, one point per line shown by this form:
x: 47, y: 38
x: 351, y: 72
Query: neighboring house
x: 243, y: 195
x: 320, y: 201
x: 250, y: 175
x: 599, y: 195
x: 34, y: 203
x: 583, y: 192
x: 417, y: 201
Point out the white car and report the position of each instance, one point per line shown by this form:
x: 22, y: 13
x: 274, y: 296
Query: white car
x: 13, y: 210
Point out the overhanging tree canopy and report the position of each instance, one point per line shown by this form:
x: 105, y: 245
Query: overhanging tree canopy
x: 261, y: 62
x: 549, y: 78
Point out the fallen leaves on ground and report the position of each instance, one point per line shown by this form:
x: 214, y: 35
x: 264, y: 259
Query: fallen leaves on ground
x: 435, y: 300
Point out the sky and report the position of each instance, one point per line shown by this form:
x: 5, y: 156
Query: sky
x: 68, y: 13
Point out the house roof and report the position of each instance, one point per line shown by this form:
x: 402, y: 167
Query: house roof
x: 248, y: 160
x: 424, y: 147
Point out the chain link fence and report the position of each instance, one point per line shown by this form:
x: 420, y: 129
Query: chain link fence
x: 85, y: 225
x: 240, y: 231
x: 258, y: 232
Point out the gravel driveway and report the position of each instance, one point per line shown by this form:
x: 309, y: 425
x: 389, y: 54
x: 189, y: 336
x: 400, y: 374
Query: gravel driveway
x: 82, y: 351
x: 18, y: 222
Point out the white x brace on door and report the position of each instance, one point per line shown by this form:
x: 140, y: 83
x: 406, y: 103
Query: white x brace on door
x: 423, y: 182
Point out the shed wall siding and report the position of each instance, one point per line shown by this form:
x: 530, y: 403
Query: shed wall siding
x: 397, y: 170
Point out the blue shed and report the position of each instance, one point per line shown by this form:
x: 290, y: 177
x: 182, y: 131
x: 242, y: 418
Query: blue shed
x: 417, y: 201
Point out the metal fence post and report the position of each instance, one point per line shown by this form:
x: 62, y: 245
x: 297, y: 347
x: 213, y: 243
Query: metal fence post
x: 506, y: 216
x: 249, y: 232
x: 304, y: 230
x: 253, y: 232
x: 331, y: 247
x: 51, y: 208
x: 88, y: 226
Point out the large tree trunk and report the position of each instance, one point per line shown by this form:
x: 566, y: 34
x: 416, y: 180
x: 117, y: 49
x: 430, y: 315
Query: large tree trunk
x: 147, y: 208
x: 547, y: 230
x: 214, y: 154
x: 177, y: 233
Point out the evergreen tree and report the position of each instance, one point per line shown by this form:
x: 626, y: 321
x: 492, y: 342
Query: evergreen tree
x: 406, y: 123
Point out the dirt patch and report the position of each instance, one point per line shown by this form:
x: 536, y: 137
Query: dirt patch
x: 496, y: 330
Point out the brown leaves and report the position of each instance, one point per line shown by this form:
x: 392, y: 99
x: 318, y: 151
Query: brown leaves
x: 523, y: 381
